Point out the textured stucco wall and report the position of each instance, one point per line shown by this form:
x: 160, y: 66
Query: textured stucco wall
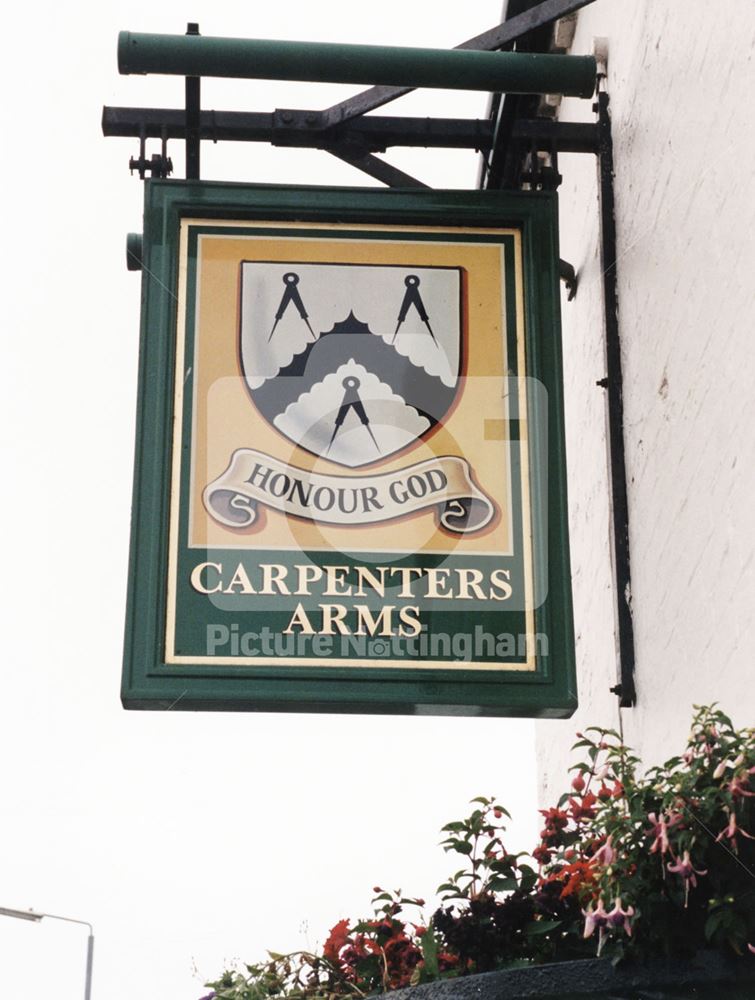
x: 680, y: 77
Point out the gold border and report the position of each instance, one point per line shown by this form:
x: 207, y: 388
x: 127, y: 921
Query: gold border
x: 174, y: 526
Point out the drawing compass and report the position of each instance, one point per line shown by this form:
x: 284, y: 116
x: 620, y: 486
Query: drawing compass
x: 291, y: 294
x: 351, y: 401
x: 413, y: 298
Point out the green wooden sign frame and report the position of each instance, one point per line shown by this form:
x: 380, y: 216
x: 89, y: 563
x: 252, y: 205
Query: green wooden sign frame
x: 199, y: 536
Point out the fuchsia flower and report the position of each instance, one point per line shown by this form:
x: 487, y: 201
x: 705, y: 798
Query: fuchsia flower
x: 578, y: 783
x: 596, y: 918
x: 688, y: 872
x: 599, y: 919
x: 620, y: 918
x: 605, y: 854
x: 739, y: 785
x: 731, y: 830
x: 659, y: 830
x: 584, y: 809
x: 720, y: 770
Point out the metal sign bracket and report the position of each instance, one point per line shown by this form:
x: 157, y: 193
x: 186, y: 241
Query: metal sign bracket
x: 341, y: 130
x: 519, y: 149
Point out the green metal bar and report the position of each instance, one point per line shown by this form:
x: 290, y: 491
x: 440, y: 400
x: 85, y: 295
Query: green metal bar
x: 265, y: 59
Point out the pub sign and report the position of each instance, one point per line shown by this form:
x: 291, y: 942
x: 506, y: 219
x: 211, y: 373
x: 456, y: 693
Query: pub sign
x: 350, y: 478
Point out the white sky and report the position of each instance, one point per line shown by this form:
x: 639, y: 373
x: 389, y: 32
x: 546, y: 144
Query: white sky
x: 188, y: 840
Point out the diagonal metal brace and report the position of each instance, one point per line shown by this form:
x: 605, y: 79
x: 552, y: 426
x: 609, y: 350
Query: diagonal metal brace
x: 375, y: 167
x: 496, y: 38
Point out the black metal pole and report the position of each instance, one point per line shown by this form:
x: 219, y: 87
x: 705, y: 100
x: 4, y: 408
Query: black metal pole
x: 625, y: 689
x: 193, y: 99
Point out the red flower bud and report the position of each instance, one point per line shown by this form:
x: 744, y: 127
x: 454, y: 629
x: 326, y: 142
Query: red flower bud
x: 578, y: 783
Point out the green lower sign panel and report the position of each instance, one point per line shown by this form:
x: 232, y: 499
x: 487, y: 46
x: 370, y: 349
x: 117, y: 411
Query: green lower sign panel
x: 350, y: 478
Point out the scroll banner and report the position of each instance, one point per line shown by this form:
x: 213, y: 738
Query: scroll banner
x: 443, y: 484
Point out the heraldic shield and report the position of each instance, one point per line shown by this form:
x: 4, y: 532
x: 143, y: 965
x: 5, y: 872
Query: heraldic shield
x: 351, y: 362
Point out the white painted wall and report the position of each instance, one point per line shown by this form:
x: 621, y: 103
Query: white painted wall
x: 680, y: 77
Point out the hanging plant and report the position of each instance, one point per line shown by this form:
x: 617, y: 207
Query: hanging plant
x: 628, y: 866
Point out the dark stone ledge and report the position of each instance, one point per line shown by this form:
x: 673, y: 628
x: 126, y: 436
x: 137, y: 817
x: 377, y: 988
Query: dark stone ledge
x: 597, y: 977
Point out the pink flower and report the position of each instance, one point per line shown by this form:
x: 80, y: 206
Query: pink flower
x: 688, y: 872
x: 596, y: 918
x: 731, y: 830
x: 720, y: 770
x: 605, y: 854
x: 659, y: 830
x: 620, y: 918
x: 686, y: 869
x: 739, y: 786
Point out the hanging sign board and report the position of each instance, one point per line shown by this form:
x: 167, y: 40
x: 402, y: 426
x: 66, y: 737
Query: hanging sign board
x: 350, y: 480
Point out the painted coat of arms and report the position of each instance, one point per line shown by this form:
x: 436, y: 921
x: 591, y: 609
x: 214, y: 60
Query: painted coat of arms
x: 348, y: 363
x: 354, y: 364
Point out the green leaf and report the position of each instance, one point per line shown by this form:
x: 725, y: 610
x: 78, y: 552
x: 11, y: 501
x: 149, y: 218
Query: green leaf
x: 460, y: 846
x: 430, y: 952
x: 502, y: 884
x: 714, y: 921
x: 455, y: 827
x: 528, y: 883
x: 541, y: 927
x: 482, y: 800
